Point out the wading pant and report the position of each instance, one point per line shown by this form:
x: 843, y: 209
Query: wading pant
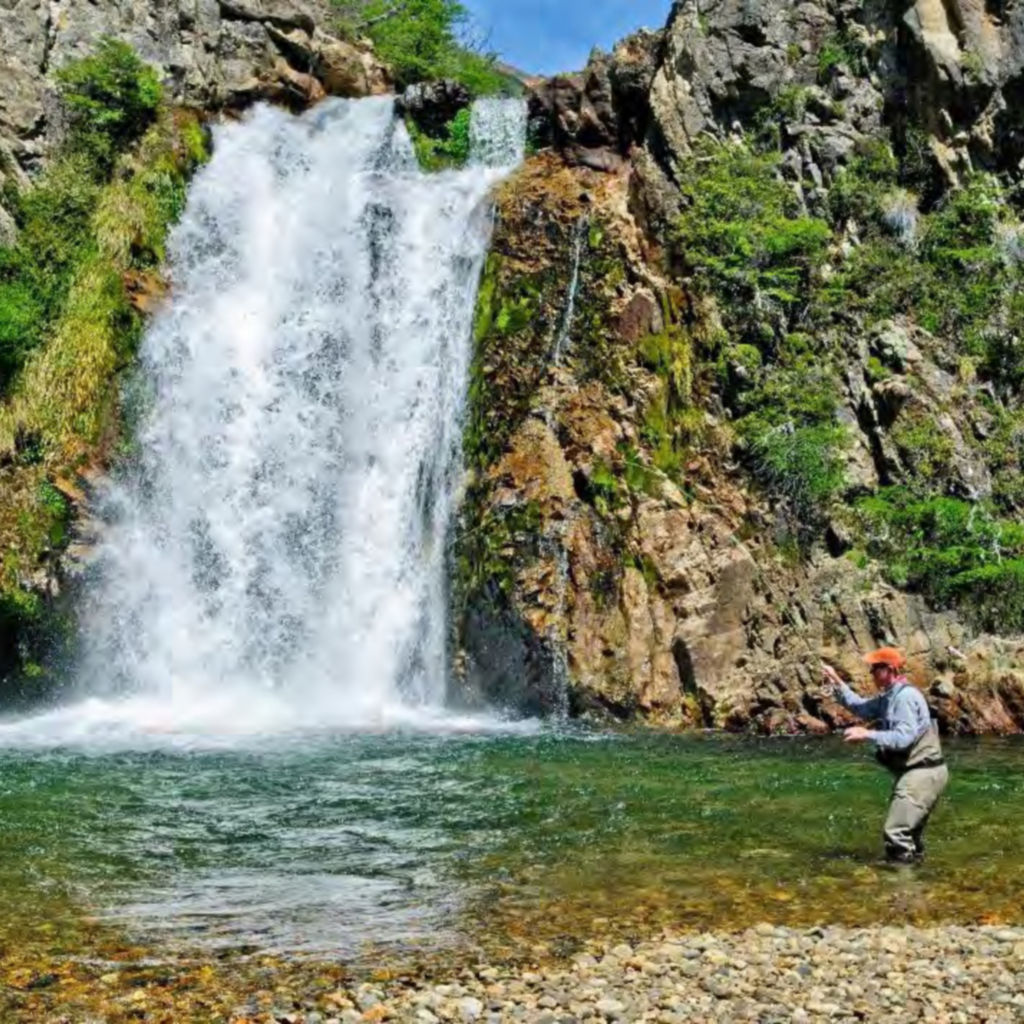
x: 914, y: 797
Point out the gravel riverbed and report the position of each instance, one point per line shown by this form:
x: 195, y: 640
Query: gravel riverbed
x: 766, y: 974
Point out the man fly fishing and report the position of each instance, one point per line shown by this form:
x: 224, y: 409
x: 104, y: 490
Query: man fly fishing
x: 906, y: 742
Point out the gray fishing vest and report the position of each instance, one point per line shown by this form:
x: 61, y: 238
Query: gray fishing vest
x: 924, y: 752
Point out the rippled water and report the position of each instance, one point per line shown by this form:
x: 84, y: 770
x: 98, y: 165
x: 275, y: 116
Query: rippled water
x: 348, y: 845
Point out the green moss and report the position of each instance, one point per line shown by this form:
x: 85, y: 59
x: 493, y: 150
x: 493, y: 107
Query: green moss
x: 638, y: 475
x: 509, y: 308
x: 670, y: 354
x: 607, y: 490
x: 499, y: 540
x: 483, y: 317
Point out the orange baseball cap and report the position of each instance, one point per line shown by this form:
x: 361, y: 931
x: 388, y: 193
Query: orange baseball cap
x: 890, y: 656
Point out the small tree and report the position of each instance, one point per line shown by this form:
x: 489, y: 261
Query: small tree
x: 423, y: 40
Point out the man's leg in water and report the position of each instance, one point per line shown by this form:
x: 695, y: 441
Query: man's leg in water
x: 913, y: 799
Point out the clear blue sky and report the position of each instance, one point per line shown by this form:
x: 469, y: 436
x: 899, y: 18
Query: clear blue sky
x: 545, y: 36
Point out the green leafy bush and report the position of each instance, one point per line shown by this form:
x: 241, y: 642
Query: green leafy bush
x: 955, y: 553
x: 994, y: 595
x: 857, y: 189
x: 802, y: 464
x: 844, y: 49
x: 111, y: 98
x: 787, y: 421
x: 961, y: 277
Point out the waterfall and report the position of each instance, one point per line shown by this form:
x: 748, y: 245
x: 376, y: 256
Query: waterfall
x: 579, y: 234
x: 276, y: 555
x: 556, y: 545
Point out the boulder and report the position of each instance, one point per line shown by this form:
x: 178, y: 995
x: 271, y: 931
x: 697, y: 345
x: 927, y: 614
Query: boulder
x: 432, y: 105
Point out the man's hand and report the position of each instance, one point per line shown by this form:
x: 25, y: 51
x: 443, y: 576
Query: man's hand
x: 832, y: 679
x: 857, y: 734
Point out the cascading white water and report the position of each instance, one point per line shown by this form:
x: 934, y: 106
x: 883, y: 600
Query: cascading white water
x: 277, y: 555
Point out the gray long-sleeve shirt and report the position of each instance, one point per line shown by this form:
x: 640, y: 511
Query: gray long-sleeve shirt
x: 902, y: 711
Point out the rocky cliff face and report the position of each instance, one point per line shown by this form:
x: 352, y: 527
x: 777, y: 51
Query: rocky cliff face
x: 643, y: 535
x: 212, y: 54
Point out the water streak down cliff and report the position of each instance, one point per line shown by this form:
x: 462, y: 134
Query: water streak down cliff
x: 277, y: 549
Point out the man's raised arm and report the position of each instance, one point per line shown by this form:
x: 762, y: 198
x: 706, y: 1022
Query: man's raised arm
x: 868, y: 708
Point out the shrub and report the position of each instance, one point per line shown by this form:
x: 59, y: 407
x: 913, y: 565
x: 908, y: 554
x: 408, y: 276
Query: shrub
x: 994, y: 596
x: 858, y: 186
x: 788, y: 425
x: 842, y: 48
x: 955, y: 553
x: 111, y: 98
x: 801, y: 464
x: 745, y: 239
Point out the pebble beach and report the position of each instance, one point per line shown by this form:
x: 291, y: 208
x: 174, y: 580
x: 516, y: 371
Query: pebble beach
x: 944, y: 975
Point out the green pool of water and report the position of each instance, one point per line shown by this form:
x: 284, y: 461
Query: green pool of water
x: 346, y: 845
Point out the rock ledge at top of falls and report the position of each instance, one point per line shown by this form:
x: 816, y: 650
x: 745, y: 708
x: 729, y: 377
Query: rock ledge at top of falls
x: 211, y: 54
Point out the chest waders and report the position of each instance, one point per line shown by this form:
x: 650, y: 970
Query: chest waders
x: 920, y: 777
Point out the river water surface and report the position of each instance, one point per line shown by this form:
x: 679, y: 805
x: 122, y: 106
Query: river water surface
x: 363, y: 846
